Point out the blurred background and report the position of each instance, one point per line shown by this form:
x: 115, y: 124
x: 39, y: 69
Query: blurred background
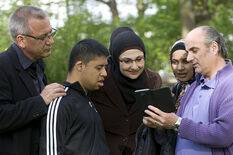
x: 158, y: 22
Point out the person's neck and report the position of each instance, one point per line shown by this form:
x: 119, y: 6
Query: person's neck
x: 218, y: 65
x: 72, y: 78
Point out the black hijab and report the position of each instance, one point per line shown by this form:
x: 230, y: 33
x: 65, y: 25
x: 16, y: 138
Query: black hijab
x: 115, y: 33
x: 179, y: 45
x: 121, y: 42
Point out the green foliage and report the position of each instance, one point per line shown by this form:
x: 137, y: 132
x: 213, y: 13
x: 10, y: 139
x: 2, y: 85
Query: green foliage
x: 158, y: 31
x: 76, y: 28
x: 165, y: 28
x: 5, y: 39
x: 223, y: 22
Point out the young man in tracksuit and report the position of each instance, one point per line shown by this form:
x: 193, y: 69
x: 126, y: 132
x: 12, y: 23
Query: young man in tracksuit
x: 73, y: 126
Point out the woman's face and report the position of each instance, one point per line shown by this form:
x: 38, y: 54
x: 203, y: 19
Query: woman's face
x: 132, y: 63
x: 183, y: 70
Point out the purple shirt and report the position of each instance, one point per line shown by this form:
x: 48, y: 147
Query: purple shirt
x: 217, y: 134
x: 197, y: 110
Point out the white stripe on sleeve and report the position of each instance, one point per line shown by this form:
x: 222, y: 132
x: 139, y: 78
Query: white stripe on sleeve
x: 51, y: 123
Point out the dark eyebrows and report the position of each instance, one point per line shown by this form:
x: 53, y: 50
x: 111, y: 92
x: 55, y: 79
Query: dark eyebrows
x: 139, y: 56
x: 101, y: 65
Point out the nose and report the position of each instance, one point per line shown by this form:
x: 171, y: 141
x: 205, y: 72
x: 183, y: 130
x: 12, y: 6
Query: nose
x: 189, y: 57
x: 50, y: 40
x: 134, y: 65
x: 103, y: 72
x: 180, y: 66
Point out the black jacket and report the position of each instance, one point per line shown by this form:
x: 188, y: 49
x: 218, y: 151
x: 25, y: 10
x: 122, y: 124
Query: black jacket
x: 154, y: 142
x: 21, y: 108
x: 145, y: 142
x: 120, y: 124
x: 73, y: 125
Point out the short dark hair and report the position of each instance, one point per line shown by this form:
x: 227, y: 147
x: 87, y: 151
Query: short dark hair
x: 85, y: 51
x: 213, y: 35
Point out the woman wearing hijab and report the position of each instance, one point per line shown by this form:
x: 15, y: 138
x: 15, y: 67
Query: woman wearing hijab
x: 115, y: 101
x: 149, y: 140
x: 182, y: 70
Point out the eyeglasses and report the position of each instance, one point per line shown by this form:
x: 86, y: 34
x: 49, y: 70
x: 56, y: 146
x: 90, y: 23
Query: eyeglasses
x: 43, y: 37
x: 128, y: 61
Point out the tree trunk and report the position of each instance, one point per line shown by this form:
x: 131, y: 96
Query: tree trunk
x: 141, y: 7
x: 113, y: 7
x: 67, y: 8
x: 187, y: 17
x: 193, y: 13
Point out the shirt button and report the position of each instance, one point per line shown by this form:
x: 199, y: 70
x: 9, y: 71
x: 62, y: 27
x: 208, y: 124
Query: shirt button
x: 125, y: 139
x: 127, y: 120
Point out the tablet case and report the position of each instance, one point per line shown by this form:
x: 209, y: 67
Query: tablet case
x: 160, y: 98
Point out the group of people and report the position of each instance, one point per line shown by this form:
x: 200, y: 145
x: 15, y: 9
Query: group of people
x: 94, y: 111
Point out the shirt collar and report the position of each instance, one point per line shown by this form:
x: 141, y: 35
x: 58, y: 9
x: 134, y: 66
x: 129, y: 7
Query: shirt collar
x: 24, y: 60
x: 225, y: 69
x: 76, y: 86
x: 209, y: 84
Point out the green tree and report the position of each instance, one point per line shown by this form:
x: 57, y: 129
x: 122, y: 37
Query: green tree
x: 172, y: 20
x: 77, y: 27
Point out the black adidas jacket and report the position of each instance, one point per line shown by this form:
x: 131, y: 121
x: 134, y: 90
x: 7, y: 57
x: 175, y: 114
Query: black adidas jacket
x: 73, y: 126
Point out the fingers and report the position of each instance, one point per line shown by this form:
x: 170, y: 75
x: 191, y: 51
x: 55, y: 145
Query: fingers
x: 159, y: 119
x: 52, y: 91
x: 156, y: 110
x: 148, y: 121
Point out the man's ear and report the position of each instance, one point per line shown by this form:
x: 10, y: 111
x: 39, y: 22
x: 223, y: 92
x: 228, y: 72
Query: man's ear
x: 214, y: 47
x: 20, y: 40
x: 79, y: 66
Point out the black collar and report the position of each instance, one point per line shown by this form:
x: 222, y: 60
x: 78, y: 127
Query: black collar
x: 76, y: 86
x: 24, y: 60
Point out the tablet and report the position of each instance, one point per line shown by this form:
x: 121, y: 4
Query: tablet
x: 160, y: 98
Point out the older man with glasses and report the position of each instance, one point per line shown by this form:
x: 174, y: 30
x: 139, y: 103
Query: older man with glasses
x: 43, y: 37
x: 24, y: 93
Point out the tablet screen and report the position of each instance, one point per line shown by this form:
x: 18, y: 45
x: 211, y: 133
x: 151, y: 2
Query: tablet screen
x: 160, y: 98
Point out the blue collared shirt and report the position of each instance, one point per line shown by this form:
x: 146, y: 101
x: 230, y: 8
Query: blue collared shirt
x: 26, y: 63
x: 197, y: 110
